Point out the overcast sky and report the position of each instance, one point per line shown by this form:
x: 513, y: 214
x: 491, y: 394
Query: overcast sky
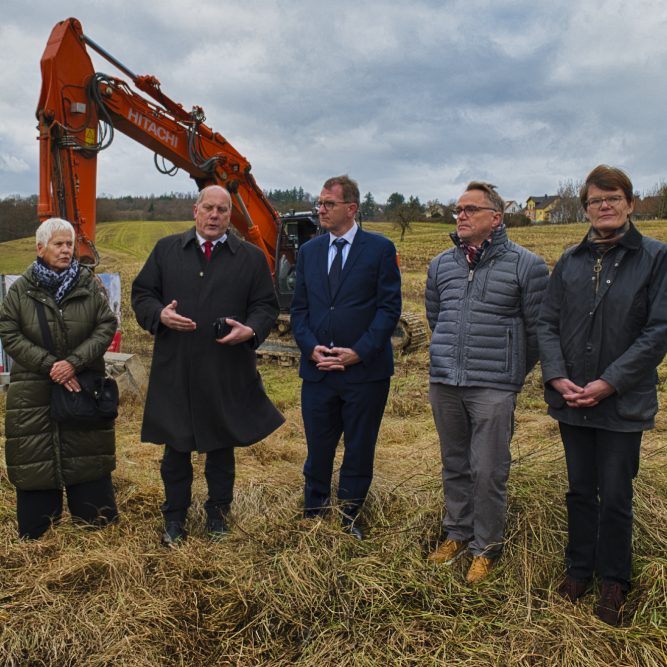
x: 415, y: 97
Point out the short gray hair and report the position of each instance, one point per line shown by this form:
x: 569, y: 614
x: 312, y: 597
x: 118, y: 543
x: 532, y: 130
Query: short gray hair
x: 489, y: 191
x: 50, y: 227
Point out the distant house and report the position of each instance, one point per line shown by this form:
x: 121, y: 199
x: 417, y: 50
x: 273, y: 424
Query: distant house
x: 435, y: 210
x: 538, y: 209
x: 512, y: 206
x: 647, y: 208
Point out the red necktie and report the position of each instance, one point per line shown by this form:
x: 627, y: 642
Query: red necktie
x: 208, y: 248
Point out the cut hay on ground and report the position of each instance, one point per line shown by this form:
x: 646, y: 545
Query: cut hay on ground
x: 278, y: 592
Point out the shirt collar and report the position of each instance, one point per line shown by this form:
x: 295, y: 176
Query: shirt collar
x: 348, y: 236
x: 201, y: 240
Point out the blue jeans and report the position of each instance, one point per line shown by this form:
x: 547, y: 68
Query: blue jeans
x: 600, y: 468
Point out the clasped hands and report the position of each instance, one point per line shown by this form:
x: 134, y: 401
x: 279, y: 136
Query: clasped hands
x: 582, y: 397
x: 172, y: 320
x: 62, y: 372
x: 334, y: 358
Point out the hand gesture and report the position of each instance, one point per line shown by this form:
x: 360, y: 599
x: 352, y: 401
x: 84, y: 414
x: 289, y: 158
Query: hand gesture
x: 240, y: 333
x: 172, y: 320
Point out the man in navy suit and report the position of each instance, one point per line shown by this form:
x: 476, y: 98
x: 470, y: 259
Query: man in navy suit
x: 347, y: 301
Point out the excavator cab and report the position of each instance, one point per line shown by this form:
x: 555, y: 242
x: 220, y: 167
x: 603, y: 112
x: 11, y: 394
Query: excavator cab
x: 296, y: 228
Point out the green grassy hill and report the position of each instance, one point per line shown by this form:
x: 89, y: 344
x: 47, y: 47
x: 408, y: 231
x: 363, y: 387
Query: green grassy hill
x: 276, y: 593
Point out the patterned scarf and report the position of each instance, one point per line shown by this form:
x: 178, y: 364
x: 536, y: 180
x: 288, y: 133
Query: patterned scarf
x: 601, y: 244
x: 57, y: 283
x: 474, y: 253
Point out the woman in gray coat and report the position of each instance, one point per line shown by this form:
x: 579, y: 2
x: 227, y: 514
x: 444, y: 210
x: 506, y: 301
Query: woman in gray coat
x: 43, y: 456
x: 602, y: 333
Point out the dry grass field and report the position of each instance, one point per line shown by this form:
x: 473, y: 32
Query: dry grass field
x: 276, y: 593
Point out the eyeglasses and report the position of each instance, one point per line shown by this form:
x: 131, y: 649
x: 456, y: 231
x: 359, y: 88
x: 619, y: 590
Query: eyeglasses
x: 329, y: 204
x: 596, y: 202
x: 471, y: 210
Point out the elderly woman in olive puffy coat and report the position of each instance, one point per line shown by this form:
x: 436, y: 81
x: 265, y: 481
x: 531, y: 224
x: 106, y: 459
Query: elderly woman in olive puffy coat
x: 45, y: 457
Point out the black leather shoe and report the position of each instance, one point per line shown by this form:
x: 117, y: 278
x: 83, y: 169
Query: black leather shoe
x: 353, y: 530
x: 174, y: 534
x: 216, y: 528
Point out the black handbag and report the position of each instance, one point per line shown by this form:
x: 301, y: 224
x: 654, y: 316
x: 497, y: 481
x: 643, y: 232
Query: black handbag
x: 98, y: 398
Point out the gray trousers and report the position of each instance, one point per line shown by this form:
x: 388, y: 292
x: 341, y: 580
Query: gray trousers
x: 475, y: 426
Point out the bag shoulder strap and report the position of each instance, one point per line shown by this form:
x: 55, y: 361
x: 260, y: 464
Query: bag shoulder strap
x: 46, y: 333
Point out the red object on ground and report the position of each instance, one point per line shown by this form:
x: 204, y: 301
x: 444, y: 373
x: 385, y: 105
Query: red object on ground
x: 115, y: 343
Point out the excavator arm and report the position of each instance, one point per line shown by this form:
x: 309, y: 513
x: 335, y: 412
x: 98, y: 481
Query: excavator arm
x: 78, y: 112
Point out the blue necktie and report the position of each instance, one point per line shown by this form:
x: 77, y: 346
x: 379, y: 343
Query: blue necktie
x: 336, y: 266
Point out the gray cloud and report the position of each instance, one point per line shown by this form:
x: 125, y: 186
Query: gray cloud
x: 416, y: 98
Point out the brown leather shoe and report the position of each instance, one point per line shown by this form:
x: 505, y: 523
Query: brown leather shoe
x: 610, y: 604
x: 480, y: 568
x: 448, y: 552
x: 572, y: 589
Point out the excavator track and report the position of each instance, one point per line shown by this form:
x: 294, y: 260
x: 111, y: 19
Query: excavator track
x: 410, y: 334
x: 280, y: 347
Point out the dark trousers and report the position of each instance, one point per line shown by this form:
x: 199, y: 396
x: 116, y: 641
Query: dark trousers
x: 92, y: 503
x: 331, y: 408
x: 176, y: 472
x: 600, y: 468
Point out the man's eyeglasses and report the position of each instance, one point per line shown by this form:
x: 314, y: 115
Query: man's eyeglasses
x: 471, y: 210
x: 329, y: 204
x: 596, y: 202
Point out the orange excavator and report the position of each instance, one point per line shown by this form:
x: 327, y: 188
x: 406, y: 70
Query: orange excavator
x: 79, y: 110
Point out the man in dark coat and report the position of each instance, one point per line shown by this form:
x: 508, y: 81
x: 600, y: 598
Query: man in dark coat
x: 347, y: 301
x: 205, y: 393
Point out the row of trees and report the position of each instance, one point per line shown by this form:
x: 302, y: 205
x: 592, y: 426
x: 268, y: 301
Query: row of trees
x: 18, y: 215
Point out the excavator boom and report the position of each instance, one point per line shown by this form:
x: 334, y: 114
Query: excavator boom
x: 79, y: 110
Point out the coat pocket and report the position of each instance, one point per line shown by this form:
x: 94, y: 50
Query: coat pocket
x: 639, y: 404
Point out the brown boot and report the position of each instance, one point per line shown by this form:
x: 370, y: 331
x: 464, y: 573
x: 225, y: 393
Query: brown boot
x: 480, y: 568
x: 572, y: 589
x: 448, y: 552
x: 610, y: 604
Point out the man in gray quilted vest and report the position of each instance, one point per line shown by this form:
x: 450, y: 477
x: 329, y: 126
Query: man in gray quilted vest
x: 482, y: 302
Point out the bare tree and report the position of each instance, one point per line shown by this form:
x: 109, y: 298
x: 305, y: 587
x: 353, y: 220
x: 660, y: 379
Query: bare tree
x: 405, y: 214
x: 568, y: 208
